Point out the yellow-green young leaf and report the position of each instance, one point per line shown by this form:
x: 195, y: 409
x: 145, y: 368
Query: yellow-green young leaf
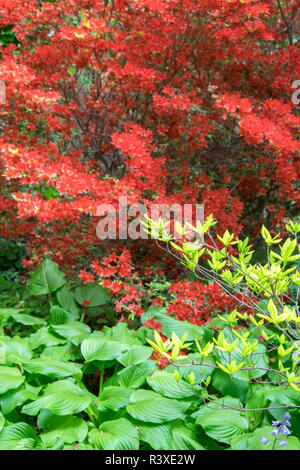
x: 154, y: 346
x: 265, y: 234
x: 177, y: 375
x: 175, y: 352
x: 191, y: 378
x: 223, y: 368
x: 158, y: 340
x: 272, y: 309
x: 207, y: 381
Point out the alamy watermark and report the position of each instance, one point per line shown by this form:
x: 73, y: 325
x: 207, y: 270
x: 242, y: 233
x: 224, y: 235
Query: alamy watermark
x: 2, y: 92
x: 296, y: 94
x: 126, y: 221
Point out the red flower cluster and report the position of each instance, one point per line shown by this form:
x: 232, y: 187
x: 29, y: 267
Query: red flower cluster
x: 161, y: 101
x: 197, y: 303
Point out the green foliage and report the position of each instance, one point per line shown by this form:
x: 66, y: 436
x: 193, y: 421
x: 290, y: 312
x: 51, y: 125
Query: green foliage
x: 65, y: 384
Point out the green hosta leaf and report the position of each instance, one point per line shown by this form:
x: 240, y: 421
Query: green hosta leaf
x: 74, y: 331
x: 254, y: 443
x: 19, y: 436
x: 184, y: 438
x: 2, y: 421
x: 135, y: 376
x: 17, y: 350
x: 165, y: 384
x: 115, y: 398
x: 25, y: 319
x: 46, y: 279
x: 135, y: 355
x: 219, y: 404
x: 101, y: 349
x: 228, y: 385
x: 62, y: 398
x: 293, y: 443
x: 241, y: 441
x: 151, y: 407
x: 14, y: 398
x: 159, y: 437
x: 170, y: 324
x: 222, y: 425
x: 10, y: 378
x: 119, y: 434
x: 69, y: 429
x: 62, y: 353
x: 255, y: 418
x: 122, y: 334
x: 53, y: 368
x: 282, y: 396
x: 8, y: 312
x: 59, y: 316
x: 44, y: 338
x: 95, y: 294
x: 66, y: 300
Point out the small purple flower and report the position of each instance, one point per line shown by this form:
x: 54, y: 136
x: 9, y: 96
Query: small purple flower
x: 287, y: 423
x: 264, y: 440
x: 286, y: 416
x: 275, y: 432
x: 282, y: 443
x: 276, y: 423
x: 285, y: 431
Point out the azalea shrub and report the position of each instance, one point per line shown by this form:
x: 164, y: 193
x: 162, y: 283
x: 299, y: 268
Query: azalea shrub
x: 203, y: 114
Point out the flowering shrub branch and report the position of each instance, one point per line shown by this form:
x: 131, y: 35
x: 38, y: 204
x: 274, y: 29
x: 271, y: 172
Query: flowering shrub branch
x: 269, y: 313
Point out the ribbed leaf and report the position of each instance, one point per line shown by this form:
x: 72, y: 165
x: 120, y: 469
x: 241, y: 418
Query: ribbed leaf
x: 17, y: 350
x: 46, y: 279
x: 25, y: 319
x: 184, y: 438
x: 135, y: 355
x: 135, y: 376
x: 122, y: 334
x: 119, y: 434
x: 2, y: 421
x: 53, y: 368
x: 69, y: 429
x: 222, y: 425
x: 14, y: 398
x: 115, y: 398
x: 151, y: 407
x: 59, y: 316
x: 62, y: 398
x: 10, y: 378
x: 44, y: 338
x: 257, y: 400
x: 228, y: 385
x: 66, y: 300
x: 74, y: 331
x: 170, y: 324
x: 95, y: 294
x: 159, y: 437
x: 101, y: 349
x: 165, y: 384
x: 60, y: 353
x: 19, y: 436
